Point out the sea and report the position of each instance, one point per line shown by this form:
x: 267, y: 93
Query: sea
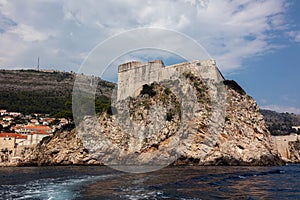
x: 176, y: 182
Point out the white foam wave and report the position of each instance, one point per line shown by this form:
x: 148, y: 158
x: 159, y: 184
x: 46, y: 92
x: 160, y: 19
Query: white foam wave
x: 50, y: 188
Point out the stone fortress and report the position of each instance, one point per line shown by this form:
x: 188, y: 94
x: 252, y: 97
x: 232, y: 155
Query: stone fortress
x: 133, y: 75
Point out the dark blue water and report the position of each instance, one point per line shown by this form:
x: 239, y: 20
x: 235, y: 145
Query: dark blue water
x: 188, y: 182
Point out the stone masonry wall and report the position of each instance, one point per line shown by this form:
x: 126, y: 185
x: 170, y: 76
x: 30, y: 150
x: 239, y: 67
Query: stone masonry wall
x: 282, y: 144
x: 133, y: 75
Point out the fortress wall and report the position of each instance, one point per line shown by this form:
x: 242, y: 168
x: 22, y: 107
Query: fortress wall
x: 133, y: 75
x: 128, y: 66
x: 201, y: 67
x: 282, y: 144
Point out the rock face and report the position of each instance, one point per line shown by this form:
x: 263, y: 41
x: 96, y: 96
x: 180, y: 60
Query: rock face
x: 242, y: 139
x: 245, y: 139
x: 294, y: 149
x: 64, y: 148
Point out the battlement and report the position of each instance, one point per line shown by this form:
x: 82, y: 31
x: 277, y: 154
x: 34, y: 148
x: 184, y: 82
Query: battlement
x: 133, y: 75
x: 136, y: 64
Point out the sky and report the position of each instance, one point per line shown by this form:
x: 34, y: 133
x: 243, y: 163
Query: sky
x: 255, y: 42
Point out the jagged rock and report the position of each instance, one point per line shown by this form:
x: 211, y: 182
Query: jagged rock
x: 245, y: 139
x: 294, y: 150
x: 64, y: 148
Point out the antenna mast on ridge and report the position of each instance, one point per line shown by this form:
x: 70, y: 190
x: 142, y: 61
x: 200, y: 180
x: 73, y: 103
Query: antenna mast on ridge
x: 38, y: 64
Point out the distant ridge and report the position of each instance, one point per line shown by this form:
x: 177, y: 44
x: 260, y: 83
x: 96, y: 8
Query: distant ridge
x: 280, y: 123
x: 43, y: 91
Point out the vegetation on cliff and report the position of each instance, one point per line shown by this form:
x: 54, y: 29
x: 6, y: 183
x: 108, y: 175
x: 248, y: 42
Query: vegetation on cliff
x: 235, y: 86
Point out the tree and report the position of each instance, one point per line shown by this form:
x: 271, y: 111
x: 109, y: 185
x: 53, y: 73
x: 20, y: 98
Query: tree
x: 102, y: 105
x: 19, y: 120
x: 68, y: 104
x: 54, y: 122
x: 67, y: 114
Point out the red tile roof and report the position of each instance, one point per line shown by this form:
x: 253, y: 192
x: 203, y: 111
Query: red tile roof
x: 41, y: 132
x: 8, y: 117
x: 38, y: 127
x: 13, y: 135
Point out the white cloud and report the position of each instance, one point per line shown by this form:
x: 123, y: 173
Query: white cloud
x: 282, y: 109
x: 28, y: 34
x: 294, y: 35
x: 230, y: 30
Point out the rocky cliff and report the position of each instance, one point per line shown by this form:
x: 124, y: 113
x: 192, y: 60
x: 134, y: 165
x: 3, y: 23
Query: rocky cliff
x: 294, y: 150
x: 63, y: 148
x: 243, y: 140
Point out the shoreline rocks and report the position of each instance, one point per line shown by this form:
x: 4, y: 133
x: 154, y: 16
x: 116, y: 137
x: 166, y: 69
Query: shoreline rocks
x: 63, y: 148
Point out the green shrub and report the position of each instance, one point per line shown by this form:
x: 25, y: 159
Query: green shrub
x: 188, y: 75
x: 169, y: 116
x: 148, y: 89
x: 167, y: 91
x: 103, y: 104
x: 227, y: 119
x: 235, y: 86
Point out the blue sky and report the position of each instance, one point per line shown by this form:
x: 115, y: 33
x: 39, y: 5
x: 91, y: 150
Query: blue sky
x: 273, y: 78
x: 255, y: 42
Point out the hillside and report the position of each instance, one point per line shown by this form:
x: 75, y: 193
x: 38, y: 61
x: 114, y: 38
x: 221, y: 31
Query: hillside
x: 280, y: 123
x: 32, y: 91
